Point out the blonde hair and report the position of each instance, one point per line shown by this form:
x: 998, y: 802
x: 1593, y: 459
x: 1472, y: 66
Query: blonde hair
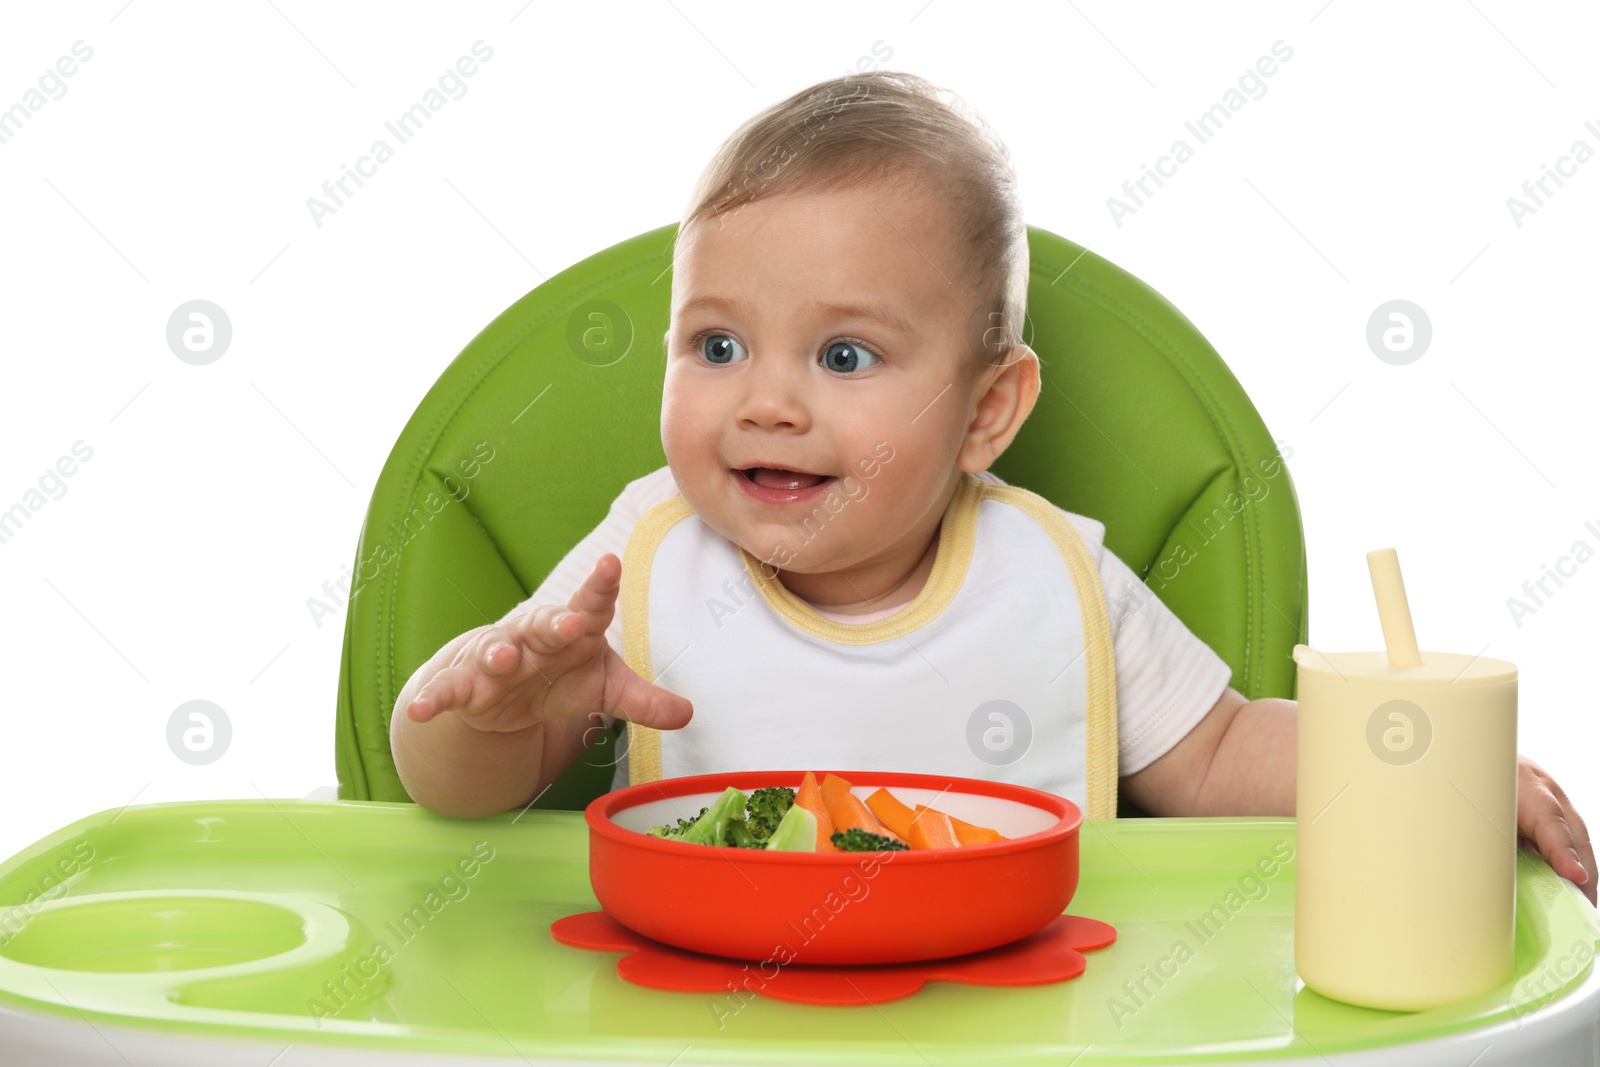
x: 891, y: 125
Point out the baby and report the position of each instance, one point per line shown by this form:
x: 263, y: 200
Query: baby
x: 826, y: 574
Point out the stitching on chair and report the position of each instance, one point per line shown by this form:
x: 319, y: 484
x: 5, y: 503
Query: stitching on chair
x: 1212, y: 407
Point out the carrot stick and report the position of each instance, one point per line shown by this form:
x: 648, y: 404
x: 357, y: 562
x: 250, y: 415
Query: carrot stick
x: 891, y: 812
x: 932, y: 829
x: 833, y: 788
x: 969, y: 834
x: 809, y: 796
x: 849, y: 811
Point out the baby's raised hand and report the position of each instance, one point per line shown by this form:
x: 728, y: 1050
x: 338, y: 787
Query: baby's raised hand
x: 549, y: 663
x: 1552, y: 825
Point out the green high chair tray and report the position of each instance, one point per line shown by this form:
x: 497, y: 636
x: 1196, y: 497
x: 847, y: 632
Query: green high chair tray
x: 223, y: 932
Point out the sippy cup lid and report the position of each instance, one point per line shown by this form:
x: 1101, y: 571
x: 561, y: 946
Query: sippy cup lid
x: 1436, y: 668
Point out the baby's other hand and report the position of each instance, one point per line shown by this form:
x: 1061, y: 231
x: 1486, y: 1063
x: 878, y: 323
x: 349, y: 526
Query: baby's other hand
x: 549, y: 663
x: 1549, y: 822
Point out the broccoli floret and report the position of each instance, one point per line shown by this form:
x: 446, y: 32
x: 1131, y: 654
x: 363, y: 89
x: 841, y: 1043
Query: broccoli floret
x: 678, y: 830
x: 856, y: 839
x: 727, y: 823
x: 767, y: 808
x: 796, y: 833
x: 710, y: 827
x: 739, y: 835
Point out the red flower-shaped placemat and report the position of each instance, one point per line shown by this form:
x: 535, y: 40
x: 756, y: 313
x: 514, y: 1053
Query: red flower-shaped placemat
x: 1053, y: 954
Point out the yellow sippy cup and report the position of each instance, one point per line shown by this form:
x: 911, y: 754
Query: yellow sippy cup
x: 1406, y: 817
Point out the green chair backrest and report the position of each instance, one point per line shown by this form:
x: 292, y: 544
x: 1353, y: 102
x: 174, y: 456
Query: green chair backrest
x: 521, y: 445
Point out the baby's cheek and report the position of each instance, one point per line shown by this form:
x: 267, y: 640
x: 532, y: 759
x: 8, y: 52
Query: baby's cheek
x: 678, y: 442
x: 694, y: 464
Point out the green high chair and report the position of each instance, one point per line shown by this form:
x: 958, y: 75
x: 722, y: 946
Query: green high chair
x: 521, y: 445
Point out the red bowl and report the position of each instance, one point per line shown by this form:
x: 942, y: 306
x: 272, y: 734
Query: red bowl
x: 835, y: 907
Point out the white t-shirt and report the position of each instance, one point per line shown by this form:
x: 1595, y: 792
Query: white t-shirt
x: 1167, y: 678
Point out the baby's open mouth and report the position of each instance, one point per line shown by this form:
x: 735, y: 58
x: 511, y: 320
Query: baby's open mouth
x: 773, y: 478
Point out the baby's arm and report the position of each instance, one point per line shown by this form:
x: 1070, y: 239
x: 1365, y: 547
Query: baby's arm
x: 1238, y: 760
x: 1241, y: 760
x: 424, y: 752
x: 457, y: 767
x: 502, y: 710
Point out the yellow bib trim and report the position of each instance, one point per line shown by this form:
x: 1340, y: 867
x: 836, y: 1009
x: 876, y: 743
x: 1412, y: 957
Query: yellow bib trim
x: 951, y: 557
x: 1100, y: 744
x: 644, y: 742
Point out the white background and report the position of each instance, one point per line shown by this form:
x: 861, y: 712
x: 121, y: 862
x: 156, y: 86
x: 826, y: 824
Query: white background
x: 177, y: 165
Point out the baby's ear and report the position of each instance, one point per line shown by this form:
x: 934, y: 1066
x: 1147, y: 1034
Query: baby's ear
x: 993, y: 363
x: 1008, y: 390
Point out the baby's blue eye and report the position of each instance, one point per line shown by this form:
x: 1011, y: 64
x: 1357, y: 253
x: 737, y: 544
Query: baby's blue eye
x: 718, y: 348
x: 847, y: 356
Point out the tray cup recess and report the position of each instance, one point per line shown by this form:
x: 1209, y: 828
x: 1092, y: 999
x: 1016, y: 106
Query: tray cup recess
x: 140, y: 934
x: 206, y: 950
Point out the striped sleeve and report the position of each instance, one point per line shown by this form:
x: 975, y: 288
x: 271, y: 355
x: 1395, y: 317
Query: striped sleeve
x: 1168, y: 679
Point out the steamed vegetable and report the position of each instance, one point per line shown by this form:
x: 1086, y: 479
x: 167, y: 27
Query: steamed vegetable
x: 678, y: 830
x: 932, y: 829
x: 833, y: 790
x: 967, y: 833
x: 727, y: 821
x: 809, y: 796
x: 767, y: 808
x: 711, y: 828
x: 738, y: 835
x: 891, y: 812
x: 796, y: 831
x: 823, y: 817
x: 856, y: 839
x: 849, y: 813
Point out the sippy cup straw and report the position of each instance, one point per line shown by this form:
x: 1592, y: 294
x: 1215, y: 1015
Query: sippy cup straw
x: 1394, y: 613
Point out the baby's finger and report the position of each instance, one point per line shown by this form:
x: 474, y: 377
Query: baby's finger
x: 1588, y: 884
x: 1583, y: 849
x: 1553, y: 835
x: 1547, y: 817
x: 629, y: 696
x: 450, y: 688
x: 596, y: 598
x: 497, y: 651
x: 549, y: 628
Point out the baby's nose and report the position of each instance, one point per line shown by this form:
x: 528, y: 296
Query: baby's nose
x: 774, y: 397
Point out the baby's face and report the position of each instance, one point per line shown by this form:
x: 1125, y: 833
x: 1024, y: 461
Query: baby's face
x: 773, y: 361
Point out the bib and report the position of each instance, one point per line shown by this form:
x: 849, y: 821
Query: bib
x: 1000, y: 668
